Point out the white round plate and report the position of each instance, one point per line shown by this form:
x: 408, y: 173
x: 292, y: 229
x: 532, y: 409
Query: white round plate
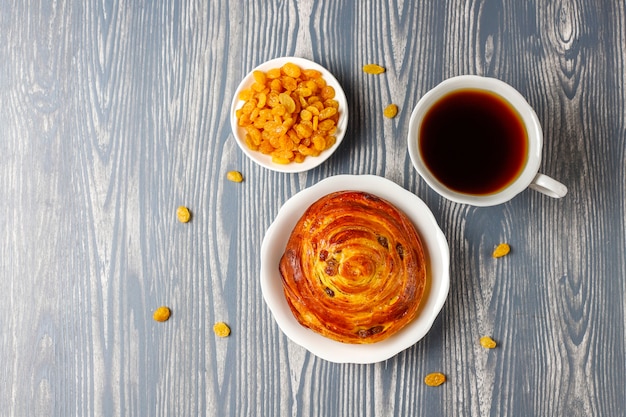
x: 309, y: 162
x: 435, y: 247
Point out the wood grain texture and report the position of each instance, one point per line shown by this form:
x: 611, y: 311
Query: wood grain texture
x: 114, y: 113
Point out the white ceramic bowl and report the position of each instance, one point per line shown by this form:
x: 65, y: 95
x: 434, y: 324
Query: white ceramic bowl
x: 437, y: 254
x: 266, y: 160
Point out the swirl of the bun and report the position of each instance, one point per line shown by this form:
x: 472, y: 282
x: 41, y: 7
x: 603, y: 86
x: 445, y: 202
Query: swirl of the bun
x: 354, y: 268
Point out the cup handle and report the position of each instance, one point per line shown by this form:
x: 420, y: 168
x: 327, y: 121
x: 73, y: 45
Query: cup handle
x: 548, y: 186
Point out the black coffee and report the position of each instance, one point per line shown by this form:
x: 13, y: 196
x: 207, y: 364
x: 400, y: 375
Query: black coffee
x: 473, y: 142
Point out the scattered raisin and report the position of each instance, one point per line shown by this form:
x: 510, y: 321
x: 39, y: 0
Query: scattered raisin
x: 487, y: 342
x: 221, y: 329
x: 373, y: 69
x: 161, y: 314
x: 434, y: 379
x: 501, y: 250
x: 183, y: 214
x: 390, y: 111
x: 234, y: 176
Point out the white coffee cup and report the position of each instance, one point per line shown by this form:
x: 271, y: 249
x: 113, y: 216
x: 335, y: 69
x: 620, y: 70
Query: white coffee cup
x: 528, y: 176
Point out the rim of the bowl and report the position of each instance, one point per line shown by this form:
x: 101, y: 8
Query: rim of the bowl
x: 435, y: 245
x: 310, y: 162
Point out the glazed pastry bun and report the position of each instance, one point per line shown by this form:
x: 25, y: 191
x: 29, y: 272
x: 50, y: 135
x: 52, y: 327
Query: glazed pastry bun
x: 354, y: 268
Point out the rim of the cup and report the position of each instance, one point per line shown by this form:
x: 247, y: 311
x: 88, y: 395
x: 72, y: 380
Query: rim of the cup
x: 516, y: 100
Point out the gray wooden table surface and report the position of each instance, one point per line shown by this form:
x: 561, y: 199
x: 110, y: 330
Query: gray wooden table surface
x: 113, y: 113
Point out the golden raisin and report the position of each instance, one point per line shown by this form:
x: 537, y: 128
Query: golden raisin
x: 487, y: 342
x: 183, y: 214
x: 292, y: 70
x: 501, y: 250
x: 390, y: 111
x: 287, y: 101
x: 221, y: 329
x: 328, y: 92
x: 259, y: 77
x: 306, y: 115
x: 234, y: 176
x: 434, y: 379
x: 161, y: 314
x: 273, y: 73
x: 311, y: 73
x: 327, y: 113
x: 373, y: 69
